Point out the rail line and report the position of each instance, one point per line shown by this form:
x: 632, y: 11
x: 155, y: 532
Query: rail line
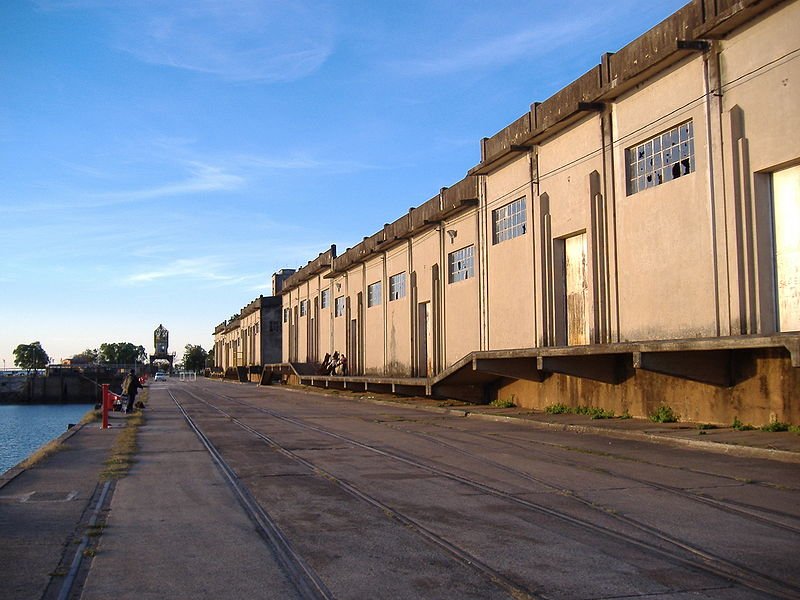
x: 710, y: 563
x: 723, y: 505
x: 515, y: 590
x: 307, y: 583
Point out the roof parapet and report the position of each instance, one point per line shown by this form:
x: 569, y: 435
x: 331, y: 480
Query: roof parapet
x: 313, y: 267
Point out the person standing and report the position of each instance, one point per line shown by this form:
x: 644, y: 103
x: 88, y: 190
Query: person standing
x: 131, y: 387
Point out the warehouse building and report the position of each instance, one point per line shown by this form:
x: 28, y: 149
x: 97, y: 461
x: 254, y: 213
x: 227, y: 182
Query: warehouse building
x: 631, y: 242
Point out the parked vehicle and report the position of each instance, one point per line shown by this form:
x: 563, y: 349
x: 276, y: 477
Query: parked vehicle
x: 160, y: 376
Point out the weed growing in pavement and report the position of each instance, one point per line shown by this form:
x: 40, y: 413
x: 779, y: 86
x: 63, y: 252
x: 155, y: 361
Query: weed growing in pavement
x: 503, y: 403
x: 794, y: 428
x: 626, y: 415
x: 558, y: 409
x: 703, y: 426
x: 739, y: 426
x: 775, y: 426
x: 664, y: 414
x: 594, y: 412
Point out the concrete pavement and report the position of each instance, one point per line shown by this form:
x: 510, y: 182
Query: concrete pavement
x: 175, y: 528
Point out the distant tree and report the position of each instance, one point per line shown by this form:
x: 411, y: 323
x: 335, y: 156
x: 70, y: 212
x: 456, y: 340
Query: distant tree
x: 121, y: 353
x: 194, y: 358
x: 31, y: 356
x: 87, y: 356
x: 210, y: 358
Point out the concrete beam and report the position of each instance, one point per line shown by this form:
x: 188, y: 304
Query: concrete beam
x: 513, y: 368
x: 714, y: 367
x: 606, y: 368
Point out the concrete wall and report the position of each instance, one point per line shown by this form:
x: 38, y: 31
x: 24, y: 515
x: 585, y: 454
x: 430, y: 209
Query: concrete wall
x: 766, y: 382
x: 462, y: 320
x: 665, y: 253
x: 375, y: 318
x: 510, y: 263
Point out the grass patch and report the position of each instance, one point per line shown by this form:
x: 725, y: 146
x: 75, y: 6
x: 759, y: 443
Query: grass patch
x: 775, y: 427
x: 794, y: 428
x: 594, y: 412
x: 664, y: 414
x: 503, y: 403
x: 49, y: 449
x: 123, y: 450
x: 739, y: 426
x: 558, y: 409
x: 626, y: 415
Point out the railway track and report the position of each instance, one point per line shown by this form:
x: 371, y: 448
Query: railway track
x: 650, y: 540
x: 739, y: 509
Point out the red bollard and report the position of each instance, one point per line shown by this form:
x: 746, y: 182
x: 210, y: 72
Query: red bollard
x: 106, y: 402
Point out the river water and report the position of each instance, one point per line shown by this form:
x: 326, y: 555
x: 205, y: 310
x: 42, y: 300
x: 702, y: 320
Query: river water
x: 26, y: 427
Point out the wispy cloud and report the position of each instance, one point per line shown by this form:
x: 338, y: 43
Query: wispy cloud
x: 238, y: 40
x: 470, y: 54
x: 202, y: 178
x: 206, y: 269
x: 294, y: 162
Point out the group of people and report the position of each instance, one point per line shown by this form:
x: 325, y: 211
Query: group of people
x: 334, y: 365
x: 130, y: 387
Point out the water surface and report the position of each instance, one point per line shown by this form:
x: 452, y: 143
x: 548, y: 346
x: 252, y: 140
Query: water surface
x: 26, y: 427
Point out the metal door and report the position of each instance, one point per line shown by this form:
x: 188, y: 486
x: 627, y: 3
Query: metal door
x: 576, y: 289
x: 786, y: 219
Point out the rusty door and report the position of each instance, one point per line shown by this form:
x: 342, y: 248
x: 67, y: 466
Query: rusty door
x: 576, y: 287
x: 786, y: 218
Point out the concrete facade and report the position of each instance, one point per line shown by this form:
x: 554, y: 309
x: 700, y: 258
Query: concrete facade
x: 656, y: 198
x: 251, y: 339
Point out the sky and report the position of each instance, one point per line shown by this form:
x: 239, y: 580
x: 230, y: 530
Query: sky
x: 160, y: 159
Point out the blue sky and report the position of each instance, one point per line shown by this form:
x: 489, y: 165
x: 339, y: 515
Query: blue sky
x: 159, y: 160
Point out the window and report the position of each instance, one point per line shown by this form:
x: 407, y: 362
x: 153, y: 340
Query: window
x: 374, y: 294
x: 461, y: 264
x: 660, y: 159
x: 274, y: 327
x: 325, y: 298
x: 509, y: 221
x: 339, y: 308
x: 285, y: 315
x: 303, y: 308
x: 397, y: 286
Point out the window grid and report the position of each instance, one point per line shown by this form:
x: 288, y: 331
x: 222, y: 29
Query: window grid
x: 374, y: 294
x: 662, y: 158
x: 285, y: 315
x: 325, y: 298
x: 339, y: 308
x: 397, y: 286
x: 303, y: 308
x: 461, y: 264
x: 509, y: 221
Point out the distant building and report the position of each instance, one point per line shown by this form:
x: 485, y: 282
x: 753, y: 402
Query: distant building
x: 252, y: 338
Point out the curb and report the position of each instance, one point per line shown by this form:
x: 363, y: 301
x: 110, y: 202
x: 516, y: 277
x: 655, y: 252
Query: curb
x: 717, y: 447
